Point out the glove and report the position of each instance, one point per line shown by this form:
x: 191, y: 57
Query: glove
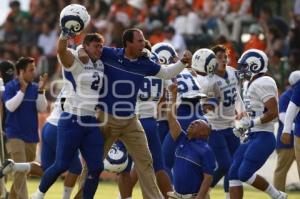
x: 67, y: 33
x: 146, y: 53
x: 239, y: 132
x: 246, y: 123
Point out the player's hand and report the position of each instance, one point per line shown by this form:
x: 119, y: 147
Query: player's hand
x: 173, y: 89
x: 146, y: 53
x: 240, y: 115
x: 67, y: 33
x: 23, y: 83
x: 43, y: 81
x: 286, y: 138
x: 187, y: 58
x: 239, y: 132
x: 246, y: 123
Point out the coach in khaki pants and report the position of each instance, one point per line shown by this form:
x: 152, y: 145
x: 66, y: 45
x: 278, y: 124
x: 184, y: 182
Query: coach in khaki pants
x: 23, y: 99
x: 131, y: 133
x: 124, y: 72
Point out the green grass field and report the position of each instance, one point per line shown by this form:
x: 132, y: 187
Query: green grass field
x: 109, y: 190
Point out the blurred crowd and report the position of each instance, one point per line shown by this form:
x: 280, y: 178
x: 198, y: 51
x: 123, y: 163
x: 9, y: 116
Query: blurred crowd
x: 270, y: 25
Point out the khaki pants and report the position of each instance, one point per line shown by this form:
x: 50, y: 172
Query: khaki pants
x: 297, y: 152
x: 20, y: 151
x: 285, y: 158
x: 131, y: 133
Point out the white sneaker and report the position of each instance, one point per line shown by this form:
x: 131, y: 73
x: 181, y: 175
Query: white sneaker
x: 7, y: 167
x: 282, y: 195
x: 37, y: 195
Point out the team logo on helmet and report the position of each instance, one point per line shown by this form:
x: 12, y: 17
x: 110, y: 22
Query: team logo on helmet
x: 74, y: 17
x: 252, y: 62
x: 116, y: 160
x: 165, y: 52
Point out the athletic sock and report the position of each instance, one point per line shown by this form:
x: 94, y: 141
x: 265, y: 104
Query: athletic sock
x: 227, y: 195
x: 22, y: 167
x: 272, y: 191
x: 67, y: 192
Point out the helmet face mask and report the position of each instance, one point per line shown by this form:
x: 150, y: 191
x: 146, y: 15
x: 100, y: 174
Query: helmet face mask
x: 243, y: 71
x: 204, y: 61
x: 165, y: 52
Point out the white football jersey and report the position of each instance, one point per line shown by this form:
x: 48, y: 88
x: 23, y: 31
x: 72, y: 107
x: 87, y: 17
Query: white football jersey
x: 57, y: 107
x: 87, y: 80
x: 224, y: 91
x: 148, y: 96
x: 187, y: 85
x: 255, y: 95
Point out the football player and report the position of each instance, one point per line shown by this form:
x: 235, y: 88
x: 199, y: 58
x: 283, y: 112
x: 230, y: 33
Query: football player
x: 194, y: 161
x: 188, y: 109
x: 261, y: 101
x: 78, y: 128
x: 222, y: 89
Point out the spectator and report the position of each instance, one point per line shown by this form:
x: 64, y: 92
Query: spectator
x: 267, y: 19
x: 277, y: 70
x: 10, y: 32
x: 47, y: 40
x: 176, y: 40
x: 187, y: 22
x: 240, y: 13
x: 156, y: 35
x: 23, y: 99
x: 16, y: 13
x: 255, y: 41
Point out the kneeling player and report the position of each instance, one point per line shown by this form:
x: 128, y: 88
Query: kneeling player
x: 194, y: 162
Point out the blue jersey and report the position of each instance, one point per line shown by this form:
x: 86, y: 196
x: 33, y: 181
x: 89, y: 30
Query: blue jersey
x: 193, y: 158
x: 123, y: 79
x: 283, y: 104
x: 23, y: 122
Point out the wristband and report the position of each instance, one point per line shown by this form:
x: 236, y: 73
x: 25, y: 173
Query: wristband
x: 256, y: 121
